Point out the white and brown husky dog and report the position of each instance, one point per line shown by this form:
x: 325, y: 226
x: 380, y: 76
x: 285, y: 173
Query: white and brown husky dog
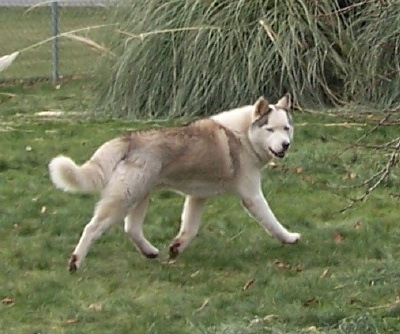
x: 221, y: 154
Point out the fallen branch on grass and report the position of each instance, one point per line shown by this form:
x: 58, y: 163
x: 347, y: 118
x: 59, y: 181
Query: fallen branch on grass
x: 201, y: 308
x: 378, y: 177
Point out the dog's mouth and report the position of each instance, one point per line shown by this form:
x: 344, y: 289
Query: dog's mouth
x: 277, y: 154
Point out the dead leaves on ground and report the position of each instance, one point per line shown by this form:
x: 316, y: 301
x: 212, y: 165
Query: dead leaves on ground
x: 350, y: 176
x: 248, y: 284
x: 96, y: 306
x: 296, y: 170
x: 72, y: 321
x: 337, y: 237
x: 311, y: 302
x: 357, y: 225
x: 267, y: 318
x: 286, y: 266
x: 279, y: 264
x: 282, y: 265
x: 324, y: 273
x: 8, y: 301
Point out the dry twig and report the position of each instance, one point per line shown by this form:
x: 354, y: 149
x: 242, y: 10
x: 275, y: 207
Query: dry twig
x: 380, y: 176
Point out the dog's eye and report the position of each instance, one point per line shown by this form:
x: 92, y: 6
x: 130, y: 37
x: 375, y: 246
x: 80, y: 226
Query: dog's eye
x: 286, y: 128
x: 270, y: 130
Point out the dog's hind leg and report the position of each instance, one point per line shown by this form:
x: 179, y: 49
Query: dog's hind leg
x: 129, y: 186
x: 107, y: 213
x: 191, y: 218
x: 134, y: 228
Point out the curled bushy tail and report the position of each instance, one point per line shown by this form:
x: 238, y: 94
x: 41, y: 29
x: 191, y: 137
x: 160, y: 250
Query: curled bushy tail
x: 68, y: 176
x: 93, y: 175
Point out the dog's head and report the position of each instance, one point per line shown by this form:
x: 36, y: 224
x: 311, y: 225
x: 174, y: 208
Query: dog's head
x: 271, y: 130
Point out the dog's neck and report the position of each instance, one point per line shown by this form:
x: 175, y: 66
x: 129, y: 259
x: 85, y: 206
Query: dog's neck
x: 236, y: 119
x: 239, y: 120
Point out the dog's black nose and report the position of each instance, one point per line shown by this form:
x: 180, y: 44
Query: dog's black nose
x: 285, y: 145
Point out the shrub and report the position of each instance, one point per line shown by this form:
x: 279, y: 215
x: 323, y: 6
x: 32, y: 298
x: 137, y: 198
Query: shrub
x: 186, y: 58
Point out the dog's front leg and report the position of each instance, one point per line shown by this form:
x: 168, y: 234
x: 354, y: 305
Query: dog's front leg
x: 258, y: 207
x: 191, y: 217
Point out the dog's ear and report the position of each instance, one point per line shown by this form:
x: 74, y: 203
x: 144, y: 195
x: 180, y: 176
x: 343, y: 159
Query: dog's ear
x: 284, y: 102
x: 260, y: 107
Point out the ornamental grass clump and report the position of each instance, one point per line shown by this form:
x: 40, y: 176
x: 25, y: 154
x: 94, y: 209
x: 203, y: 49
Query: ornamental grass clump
x: 187, y: 58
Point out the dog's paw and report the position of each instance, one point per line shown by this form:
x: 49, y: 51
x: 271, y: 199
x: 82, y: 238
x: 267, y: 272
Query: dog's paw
x: 292, y: 238
x: 174, y: 249
x: 148, y: 250
x: 72, y: 265
x: 151, y: 255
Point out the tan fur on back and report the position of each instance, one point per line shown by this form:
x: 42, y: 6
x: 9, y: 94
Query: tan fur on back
x: 203, y: 151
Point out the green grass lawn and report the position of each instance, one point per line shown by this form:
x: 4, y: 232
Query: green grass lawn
x: 21, y: 28
x: 343, y: 277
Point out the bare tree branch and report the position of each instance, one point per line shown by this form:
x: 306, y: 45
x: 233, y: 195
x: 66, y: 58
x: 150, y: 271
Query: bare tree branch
x: 379, y: 177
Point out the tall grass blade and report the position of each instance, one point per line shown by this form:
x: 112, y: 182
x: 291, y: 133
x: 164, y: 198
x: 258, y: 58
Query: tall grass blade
x: 88, y: 42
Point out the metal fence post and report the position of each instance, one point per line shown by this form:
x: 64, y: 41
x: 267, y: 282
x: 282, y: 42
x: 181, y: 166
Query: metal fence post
x: 54, y: 30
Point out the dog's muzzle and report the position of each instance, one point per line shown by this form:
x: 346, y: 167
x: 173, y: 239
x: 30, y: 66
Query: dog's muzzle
x: 281, y: 154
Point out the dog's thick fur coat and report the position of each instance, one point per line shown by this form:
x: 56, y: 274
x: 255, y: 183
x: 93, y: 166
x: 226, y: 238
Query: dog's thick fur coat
x: 224, y: 153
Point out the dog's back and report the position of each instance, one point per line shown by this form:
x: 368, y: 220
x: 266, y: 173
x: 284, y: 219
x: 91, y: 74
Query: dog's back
x: 203, y: 151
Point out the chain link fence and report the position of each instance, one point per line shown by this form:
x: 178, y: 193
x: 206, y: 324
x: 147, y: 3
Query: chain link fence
x: 28, y: 27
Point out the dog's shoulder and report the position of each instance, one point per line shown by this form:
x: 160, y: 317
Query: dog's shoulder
x: 238, y: 119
